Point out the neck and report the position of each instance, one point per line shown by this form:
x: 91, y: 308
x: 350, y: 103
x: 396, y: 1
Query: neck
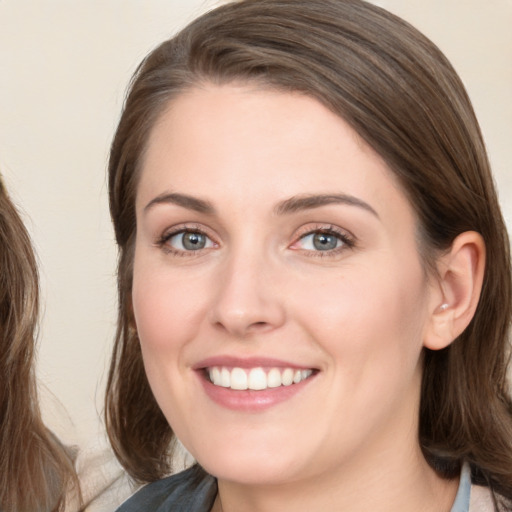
x: 393, y: 484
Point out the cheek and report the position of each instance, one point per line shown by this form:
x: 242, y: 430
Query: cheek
x: 370, y: 325
x: 368, y: 312
x: 167, y: 313
x: 166, y: 307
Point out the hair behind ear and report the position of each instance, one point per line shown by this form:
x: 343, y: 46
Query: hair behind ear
x: 466, y: 408
x: 138, y: 431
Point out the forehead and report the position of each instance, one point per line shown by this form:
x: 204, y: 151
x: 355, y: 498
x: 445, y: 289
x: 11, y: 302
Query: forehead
x: 224, y: 140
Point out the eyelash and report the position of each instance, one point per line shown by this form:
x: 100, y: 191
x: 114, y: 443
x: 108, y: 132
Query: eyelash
x: 347, y: 240
x: 163, y: 241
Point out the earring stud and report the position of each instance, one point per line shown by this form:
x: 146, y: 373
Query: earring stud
x: 443, y: 307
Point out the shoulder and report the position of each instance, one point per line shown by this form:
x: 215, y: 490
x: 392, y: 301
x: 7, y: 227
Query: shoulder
x: 481, y: 499
x: 104, y: 485
x: 472, y: 497
x: 192, y: 490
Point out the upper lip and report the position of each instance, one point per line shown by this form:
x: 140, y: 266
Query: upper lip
x: 247, y: 362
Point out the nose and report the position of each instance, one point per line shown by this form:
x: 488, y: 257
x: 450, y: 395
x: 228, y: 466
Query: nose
x: 249, y: 298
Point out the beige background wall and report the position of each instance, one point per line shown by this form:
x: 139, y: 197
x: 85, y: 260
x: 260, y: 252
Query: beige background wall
x: 64, y: 67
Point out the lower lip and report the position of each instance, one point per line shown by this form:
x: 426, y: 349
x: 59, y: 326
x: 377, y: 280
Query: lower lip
x: 250, y: 400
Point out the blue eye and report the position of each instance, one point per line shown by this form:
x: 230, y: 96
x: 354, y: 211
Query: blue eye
x: 189, y: 241
x: 322, y: 241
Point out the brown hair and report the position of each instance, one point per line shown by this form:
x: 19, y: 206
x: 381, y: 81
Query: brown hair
x: 35, y: 469
x: 401, y: 95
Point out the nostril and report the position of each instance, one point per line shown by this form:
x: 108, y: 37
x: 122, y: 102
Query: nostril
x: 258, y: 326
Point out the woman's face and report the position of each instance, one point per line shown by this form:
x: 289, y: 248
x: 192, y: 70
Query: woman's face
x: 275, y: 251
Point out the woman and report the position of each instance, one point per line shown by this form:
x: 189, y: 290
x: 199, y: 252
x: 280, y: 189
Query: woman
x: 314, y: 276
x: 36, y: 471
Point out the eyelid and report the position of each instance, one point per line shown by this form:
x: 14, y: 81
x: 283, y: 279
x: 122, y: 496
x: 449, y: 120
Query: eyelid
x: 348, y: 239
x: 170, y: 232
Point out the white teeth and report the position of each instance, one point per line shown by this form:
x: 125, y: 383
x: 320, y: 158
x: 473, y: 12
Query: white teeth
x: 305, y: 374
x: 215, y: 376
x: 287, y: 377
x: 274, y: 378
x: 238, y: 379
x: 225, y: 378
x: 256, y: 378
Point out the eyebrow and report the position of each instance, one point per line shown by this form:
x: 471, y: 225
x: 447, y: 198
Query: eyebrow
x: 288, y: 206
x: 184, y: 200
x: 308, y: 202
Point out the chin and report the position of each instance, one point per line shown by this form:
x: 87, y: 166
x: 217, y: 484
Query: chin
x: 250, y: 467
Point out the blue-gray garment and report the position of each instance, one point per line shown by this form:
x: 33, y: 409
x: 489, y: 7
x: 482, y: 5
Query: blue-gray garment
x: 194, y: 490
x: 461, y: 503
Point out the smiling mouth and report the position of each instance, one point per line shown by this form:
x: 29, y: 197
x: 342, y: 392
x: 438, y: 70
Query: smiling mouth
x: 257, y: 379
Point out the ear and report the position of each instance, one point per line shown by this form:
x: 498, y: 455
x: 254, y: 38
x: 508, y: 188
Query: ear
x: 457, y: 290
